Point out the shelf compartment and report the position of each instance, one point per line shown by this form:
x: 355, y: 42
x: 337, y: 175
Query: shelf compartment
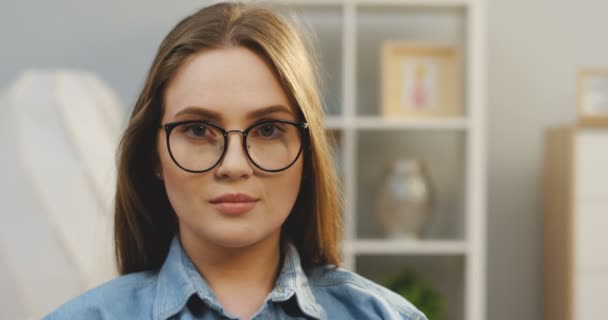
x: 445, y: 274
x: 424, y: 25
x: 443, y: 152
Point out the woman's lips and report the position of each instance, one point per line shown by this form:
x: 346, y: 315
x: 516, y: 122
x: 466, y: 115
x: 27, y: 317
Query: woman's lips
x: 234, y: 208
x: 234, y: 203
x: 233, y: 197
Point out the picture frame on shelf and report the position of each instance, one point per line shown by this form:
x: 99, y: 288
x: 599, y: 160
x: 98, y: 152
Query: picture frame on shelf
x: 593, y: 97
x: 420, y: 80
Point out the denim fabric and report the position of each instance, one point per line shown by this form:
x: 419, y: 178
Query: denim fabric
x: 177, y: 291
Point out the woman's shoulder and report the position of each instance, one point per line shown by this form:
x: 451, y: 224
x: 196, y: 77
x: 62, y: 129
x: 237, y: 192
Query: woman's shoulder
x: 120, y: 298
x: 332, y: 283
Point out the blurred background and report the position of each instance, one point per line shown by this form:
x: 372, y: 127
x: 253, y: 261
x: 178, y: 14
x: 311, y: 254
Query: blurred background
x: 480, y: 254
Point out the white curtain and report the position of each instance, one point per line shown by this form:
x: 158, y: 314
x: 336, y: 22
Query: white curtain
x: 58, y: 132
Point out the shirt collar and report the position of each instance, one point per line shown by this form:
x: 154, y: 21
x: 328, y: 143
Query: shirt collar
x: 178, y: 280
x: 293, y: 281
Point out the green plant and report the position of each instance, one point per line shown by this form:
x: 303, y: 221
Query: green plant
x: 412, y: 287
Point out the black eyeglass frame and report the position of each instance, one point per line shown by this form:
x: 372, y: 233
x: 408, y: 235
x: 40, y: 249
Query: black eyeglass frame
x: 301, y: 126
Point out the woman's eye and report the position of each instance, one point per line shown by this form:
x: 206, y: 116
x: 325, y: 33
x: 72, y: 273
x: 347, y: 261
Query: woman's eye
x: 196, y: 130
x: 268, y: 130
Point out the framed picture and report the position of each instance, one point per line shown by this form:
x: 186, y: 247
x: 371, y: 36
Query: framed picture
x: 420, y: 81
x: 593, y: 97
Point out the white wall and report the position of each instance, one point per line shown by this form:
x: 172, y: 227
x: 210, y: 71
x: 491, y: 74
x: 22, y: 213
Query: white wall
x: 535, y: 48
x: 116, y: 39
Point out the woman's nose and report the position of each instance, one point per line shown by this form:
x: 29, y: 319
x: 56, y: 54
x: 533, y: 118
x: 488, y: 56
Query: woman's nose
x: 235, y: 164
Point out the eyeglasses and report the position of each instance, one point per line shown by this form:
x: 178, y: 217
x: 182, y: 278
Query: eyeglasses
x: 198, y: 146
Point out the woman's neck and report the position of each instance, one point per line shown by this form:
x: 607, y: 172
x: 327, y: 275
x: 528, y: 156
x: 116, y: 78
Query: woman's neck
x: 240, y: 278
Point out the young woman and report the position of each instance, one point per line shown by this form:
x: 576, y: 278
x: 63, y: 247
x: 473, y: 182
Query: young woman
x: 227, y: 204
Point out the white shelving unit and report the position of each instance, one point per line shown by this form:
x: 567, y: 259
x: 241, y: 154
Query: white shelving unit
x: 350, y: 32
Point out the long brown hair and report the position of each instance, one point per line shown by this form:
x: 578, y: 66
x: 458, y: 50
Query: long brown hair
x: 144, y: 220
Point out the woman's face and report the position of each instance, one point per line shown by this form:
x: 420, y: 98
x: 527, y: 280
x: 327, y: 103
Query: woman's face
x: 230, y: 87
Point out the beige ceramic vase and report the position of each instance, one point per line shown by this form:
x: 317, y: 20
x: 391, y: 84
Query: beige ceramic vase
x: 403, y: 202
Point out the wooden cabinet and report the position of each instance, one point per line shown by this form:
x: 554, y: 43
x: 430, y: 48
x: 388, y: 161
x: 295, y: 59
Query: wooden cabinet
x: 575, y: 220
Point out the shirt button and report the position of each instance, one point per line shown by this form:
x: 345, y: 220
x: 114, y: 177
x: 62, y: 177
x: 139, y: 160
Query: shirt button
x: 280, y: 289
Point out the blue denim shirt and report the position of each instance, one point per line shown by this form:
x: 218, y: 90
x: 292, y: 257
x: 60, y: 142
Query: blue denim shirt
x: 177, y: 291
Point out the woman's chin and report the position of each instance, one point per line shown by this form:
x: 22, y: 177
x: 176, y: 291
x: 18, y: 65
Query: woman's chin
x: 233, y: 239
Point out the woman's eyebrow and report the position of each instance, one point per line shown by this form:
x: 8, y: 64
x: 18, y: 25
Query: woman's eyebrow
x: 268, y: 110
x: 200, y: 111
x: 215, y: 116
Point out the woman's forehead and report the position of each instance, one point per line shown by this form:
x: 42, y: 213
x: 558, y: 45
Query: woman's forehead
x: 220, y: 115
x: 230, y: 82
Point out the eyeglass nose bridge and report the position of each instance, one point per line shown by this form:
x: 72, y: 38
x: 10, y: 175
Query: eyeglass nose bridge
x: 243, y: 142
x: 242, y: 132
